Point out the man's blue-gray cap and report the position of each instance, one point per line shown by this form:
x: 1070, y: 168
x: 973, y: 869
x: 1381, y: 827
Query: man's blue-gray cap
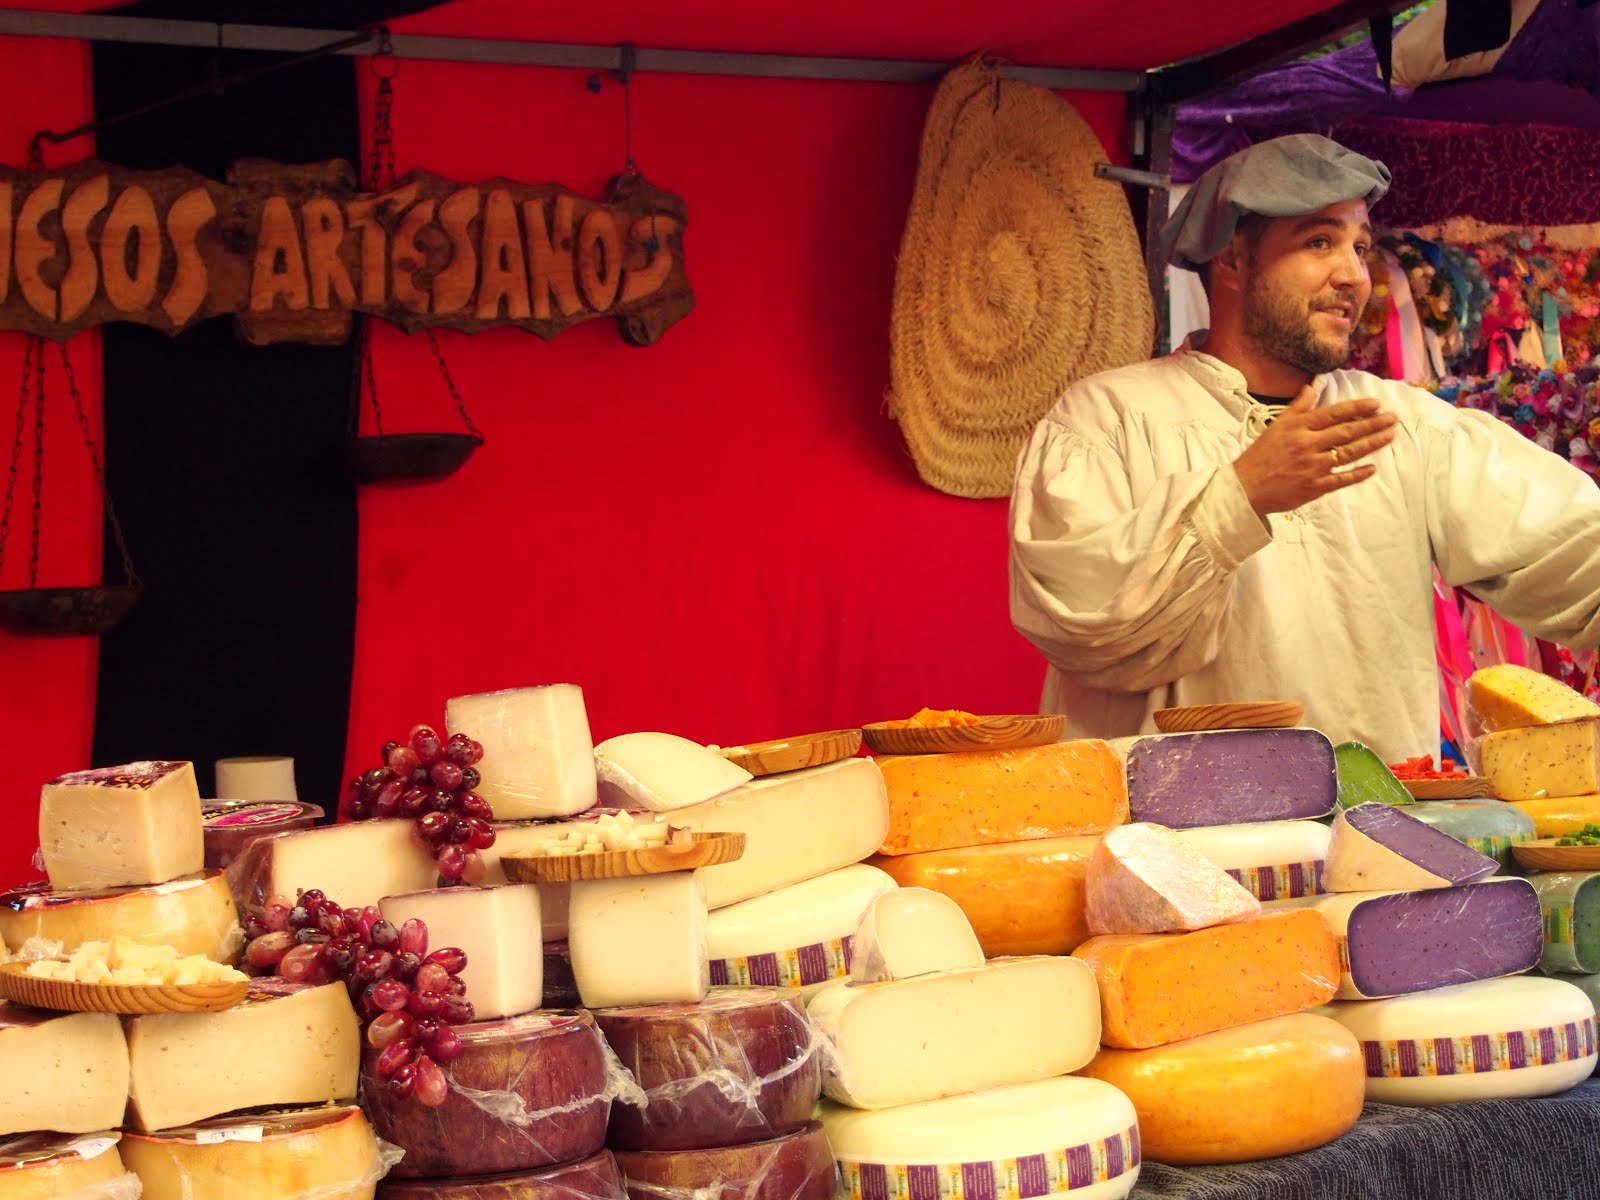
x: 1285, y: 177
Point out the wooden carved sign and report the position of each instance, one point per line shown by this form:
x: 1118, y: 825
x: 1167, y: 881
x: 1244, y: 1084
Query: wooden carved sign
x: 293, y: 251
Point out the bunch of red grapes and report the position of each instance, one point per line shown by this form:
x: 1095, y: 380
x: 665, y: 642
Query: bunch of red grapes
x: 431, y: 782
x: 406, y: 997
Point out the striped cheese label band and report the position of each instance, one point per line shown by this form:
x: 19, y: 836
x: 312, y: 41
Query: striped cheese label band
x: 1282, y: 882
x: 1558, y: 925
x: 1495, y: 847
x: 1044, y: 1174
x: 796, y: 968
x: 1477, y: 1053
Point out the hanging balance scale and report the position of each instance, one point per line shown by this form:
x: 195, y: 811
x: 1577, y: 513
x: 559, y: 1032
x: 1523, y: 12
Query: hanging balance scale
x: 36, y: 610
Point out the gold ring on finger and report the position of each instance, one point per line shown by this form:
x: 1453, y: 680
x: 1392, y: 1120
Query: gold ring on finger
x: 1335, y: 454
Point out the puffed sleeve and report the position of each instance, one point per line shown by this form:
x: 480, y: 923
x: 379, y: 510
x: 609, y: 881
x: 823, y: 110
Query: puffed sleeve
x: 1123, y: 591
x: 1516, y: 525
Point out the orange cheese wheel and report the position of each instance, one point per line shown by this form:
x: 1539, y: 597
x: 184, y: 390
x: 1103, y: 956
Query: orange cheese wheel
x: 1021, y: 897
x: 1156, y: 988
x: 939, y: 801
x: 1271, y: 1087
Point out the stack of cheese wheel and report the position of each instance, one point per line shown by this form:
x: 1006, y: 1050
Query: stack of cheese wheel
x: 1540, y: 748
x: 939, y: 1068
x: 1006, y: 834
x: 1429, y: 940
x: 1203, y: 1000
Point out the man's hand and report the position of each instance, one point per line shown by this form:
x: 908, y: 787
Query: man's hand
x: 1308, y: 452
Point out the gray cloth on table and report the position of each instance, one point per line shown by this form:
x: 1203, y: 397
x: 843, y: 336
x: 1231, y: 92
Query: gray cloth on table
x: 1544, y: 1149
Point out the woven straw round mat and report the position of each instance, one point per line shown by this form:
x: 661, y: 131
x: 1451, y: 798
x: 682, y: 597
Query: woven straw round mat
x: 1019, y: 272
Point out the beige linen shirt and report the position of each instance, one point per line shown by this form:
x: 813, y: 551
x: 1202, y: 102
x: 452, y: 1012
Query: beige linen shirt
x: 1140, y: 570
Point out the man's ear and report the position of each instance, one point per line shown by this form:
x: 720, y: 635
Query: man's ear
x: 1227, y: 268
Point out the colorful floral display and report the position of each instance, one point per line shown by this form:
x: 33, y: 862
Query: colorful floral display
x: 1557, y: 409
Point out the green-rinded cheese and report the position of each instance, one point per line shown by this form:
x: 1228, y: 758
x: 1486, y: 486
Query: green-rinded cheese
x: 1543, y: 760
x: 1571, y: 905
x: 1490, y: 827
x: 1364, y: 778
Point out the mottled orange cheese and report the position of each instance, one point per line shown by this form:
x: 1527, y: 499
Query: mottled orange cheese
x: 1254, y: 1091
x: 1557, y: 816
x: 1156, y: 988
x: 1020, y: 897
x: 941, y: 801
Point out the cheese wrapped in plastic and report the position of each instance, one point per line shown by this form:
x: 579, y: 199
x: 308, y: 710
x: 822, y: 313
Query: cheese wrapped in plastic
x: 1144, y: 879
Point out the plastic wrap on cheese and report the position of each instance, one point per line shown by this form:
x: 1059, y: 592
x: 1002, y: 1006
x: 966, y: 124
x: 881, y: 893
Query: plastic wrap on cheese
x: 594, y: 1178
x: 54, y: 1166
x: 1541, y: 761
x: 796, y: 1166
x: 1144, y: 879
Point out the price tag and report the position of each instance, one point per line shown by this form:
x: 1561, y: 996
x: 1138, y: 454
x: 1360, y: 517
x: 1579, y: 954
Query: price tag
x: 232, y: 1133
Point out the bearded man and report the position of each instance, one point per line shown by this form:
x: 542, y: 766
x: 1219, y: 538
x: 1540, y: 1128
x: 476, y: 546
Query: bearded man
x: 1242, y: 520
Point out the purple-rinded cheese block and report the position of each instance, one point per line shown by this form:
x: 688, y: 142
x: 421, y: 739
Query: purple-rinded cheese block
x: 1413, y: 941
x: 1375, y: 847
x: 1182, y: 780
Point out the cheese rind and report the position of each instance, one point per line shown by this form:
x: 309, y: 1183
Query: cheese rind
x: 193, y: 916
x: 594, y: 1178
x: 912, y: 931
x: 1506, y: 696
x: 1570, y: 902
x: 1271, y: 859
x: 65, y: 1072
x: 796, y: 825
x: 1539, y: 761
x: 796, y: 1166
x: 1231, y: 775
x: 1152, y: 986
x: 956, y: 1031
x: 1255, y: 1091
x: 326, y: 1153
x: 53, y: 1166
x: 1490, y: 827
x: 1376, y: 847
x: 639, y: 939
x: 538, y: 753
x: 1073, y: 1136
x: 357, y: 863
x: 283, y: 1045
x: 497, y: 927
x: 1144, y: 879
x: 661, y: 771
x: 941, y: 801
x: 1364, y: 778
x: 1021, y: 897
x: 121, y: 826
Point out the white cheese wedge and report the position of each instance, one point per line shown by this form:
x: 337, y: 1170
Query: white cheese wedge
x: 538, y: 754
x: 117, y: 826
x: 796, y: 825
x: 53, y: 1166
x: 912, y: 931
x: 800, y: 936
x: 283, y: 1045
x: 497, y: 927
x: 1143, y: 878
x: 661, y: 771
x: 63, y: 1072
x: 639, y: 939
x: 957, y: 1031
x: 193, y: 916
x: 357, y: 864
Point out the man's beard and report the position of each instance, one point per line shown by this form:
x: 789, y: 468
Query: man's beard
x: 1281, y: 328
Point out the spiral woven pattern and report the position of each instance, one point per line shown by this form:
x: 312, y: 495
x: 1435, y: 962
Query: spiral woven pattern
x: 1019, y: 272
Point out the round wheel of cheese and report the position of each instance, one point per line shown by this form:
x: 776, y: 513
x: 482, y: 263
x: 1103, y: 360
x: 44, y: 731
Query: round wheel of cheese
x: 526, y: 1092
x: 193, y: 915
x: 54, y: 1166
x: 1493, y: 1039
x: 231, y: 825
x: 1200, y: 1100
x: 593, y: 1178
x: 323, y: 1152
x: 740, y: 1066
x: 797, y: 1166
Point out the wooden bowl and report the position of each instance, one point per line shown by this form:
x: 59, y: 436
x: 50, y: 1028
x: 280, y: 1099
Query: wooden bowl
x: 128, y: 999
x: 1253, y: 714
x: 1016, y: 732
x: 1447, y: 789
x: 410, y: 457
x: 65, y: 611
x: 702, y: 850
x: 1543, y: 854
x: 793, y: 754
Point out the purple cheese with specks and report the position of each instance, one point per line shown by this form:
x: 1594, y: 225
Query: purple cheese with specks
x: 1416, y: 941
x: 1418, y: 842
x: 1225, y: 777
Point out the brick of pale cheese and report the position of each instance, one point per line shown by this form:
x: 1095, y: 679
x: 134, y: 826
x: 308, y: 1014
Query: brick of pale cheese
x: 1144, y: 879
x: 119, y: 826
x: 524, y: 837
x: 194, y: 916
x: 1364, y: 778
x: 1161, y: 987
x: 1254, y: 1091
x: 1270, y: 859
x: 940, y: 801
x: 1021, y: 897
x: 357, y: 864
x: 1506, y: 696
x: 912, y: 931
x: 1009, y: 1021
x: 283, y: 1045
x: 497, y: 927
x: 66, y: 1072
x: 1540, y: 761
x: 639, y: 939
x: 311, y: 1154
x: 538, y: 753
x: 1490, y: 827
x: 1376, y: 847
x: 796, y: 825
x: 1557, y: 816
x: 1224, y: 776
x: 661, y: 771
x: 54, y: 1166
